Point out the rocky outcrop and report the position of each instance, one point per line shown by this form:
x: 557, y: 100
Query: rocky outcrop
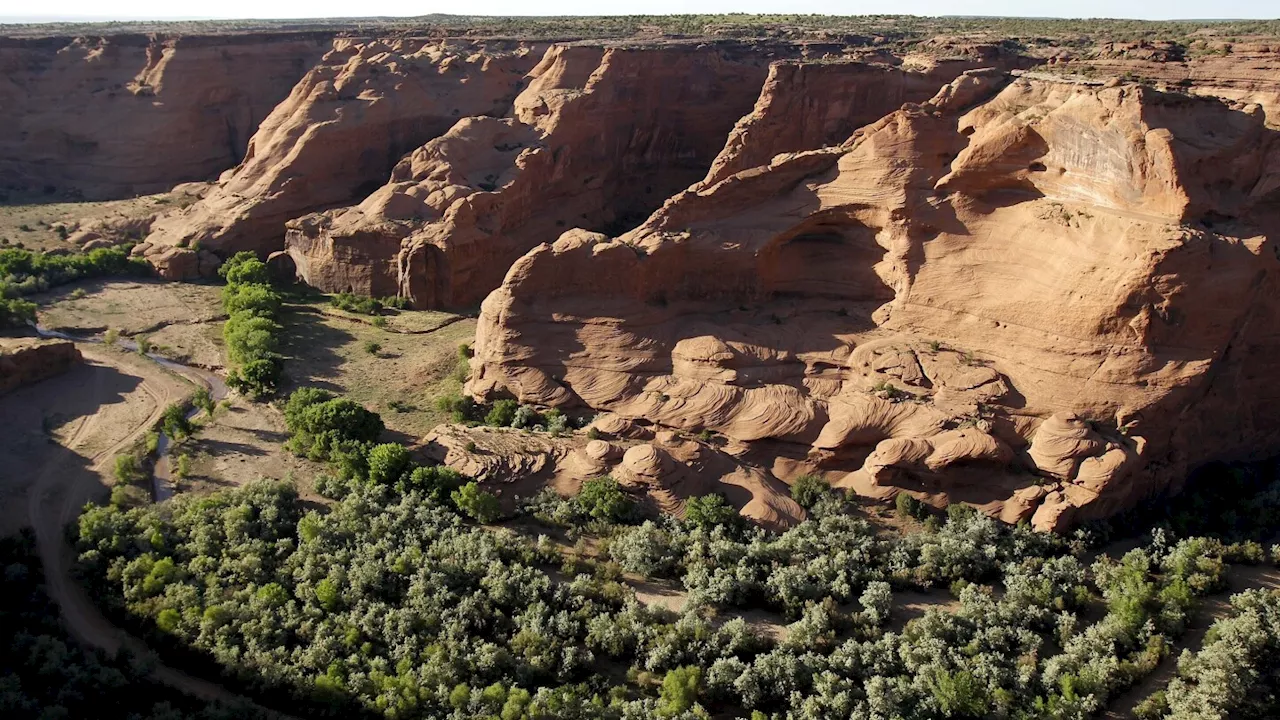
x: 806, y: 105
x: 600, y: 137
x: 338, y: 134
x: 25, y: 361
x: 113, y: 117
x: 662, y: 467
x: 1047, y: 299
x: 1217, y: 67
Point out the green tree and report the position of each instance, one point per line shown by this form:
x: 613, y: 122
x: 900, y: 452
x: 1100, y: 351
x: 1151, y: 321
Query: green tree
x: 807, y: 490
x: 387, y: 463
x: 502, y: 413
x: 603, y: 499
x: 708, y: 511
x: 174, y: 423
x: 244, y: 268
x: 475, y: 502
x: 679, y: 691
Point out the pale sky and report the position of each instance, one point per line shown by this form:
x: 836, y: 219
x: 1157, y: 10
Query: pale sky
x: 10, y: 10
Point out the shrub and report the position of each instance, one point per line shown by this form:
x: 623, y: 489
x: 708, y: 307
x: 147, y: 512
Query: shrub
x: 525, y: 417
x: 372, y: 347
x: 807, y: 490
x: 460, y: 407
x: 143, y: 344
x: 356, y: 304
x: 476, y: 503
x: 387, y: 463
x: 603, y: 500
x: 557, y: 423
x: 111, y: 337
x: 127, y: 470
x: 709, y: 511
x: 909, y: 507
x: 502, y: 413
x: 184, y: 466
x: 437, y: 481
x: 679, y: 691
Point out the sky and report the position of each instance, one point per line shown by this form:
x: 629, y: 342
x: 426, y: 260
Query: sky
x: 281, y: 9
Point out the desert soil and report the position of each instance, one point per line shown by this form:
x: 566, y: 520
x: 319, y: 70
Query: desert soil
x: 243, y: 442
x: 183, y: 321
x: 418, y: 353
x: 30, y: 222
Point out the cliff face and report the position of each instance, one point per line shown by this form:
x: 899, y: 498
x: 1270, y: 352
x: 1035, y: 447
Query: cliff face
x: 1043, y: 298
x: 112, y: 117
x: 598, y: 139
x: 27, y: 361
x: 342, y: 128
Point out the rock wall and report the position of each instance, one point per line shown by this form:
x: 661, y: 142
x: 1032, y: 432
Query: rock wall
x: 1047, y: 299
x: 344, y: 126
x: 111, y: 117
x: 27, y: 361
x: 599, y: 138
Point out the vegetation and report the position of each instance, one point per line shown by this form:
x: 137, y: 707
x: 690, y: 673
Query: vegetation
x: 23, y: 272
x: 16, y: 312
x: 356, y: 304
x: 1241, y: 655
x: 174, y: 423
x: 411, y: 612
x: 251, y: 333
x: 807, y: 490
x: 45, y: 674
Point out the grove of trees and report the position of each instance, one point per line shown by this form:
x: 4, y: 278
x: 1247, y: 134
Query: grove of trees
x: 392, y: 603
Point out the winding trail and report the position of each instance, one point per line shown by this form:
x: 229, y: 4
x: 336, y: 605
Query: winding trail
x: 54, y: 501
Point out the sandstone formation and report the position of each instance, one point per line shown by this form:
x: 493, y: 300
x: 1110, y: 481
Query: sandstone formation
x: 25, y: 361
x: 111, y: 117
x: 663, y: 467
x: 599, y: 138
x: 342, y: 128
x: 1048, y: 299
x: 1242, y: 71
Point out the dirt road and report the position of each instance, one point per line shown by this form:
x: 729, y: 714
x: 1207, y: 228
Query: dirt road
x: 115, y: 398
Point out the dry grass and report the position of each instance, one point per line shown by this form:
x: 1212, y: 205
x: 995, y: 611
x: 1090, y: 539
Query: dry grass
x: 243, y: 442
x: 30, y: 223
x: 182, y: 320
x: 328, y: 350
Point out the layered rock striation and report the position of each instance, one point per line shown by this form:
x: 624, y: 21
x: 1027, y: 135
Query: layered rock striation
x: 1048, y: 299
x: 26, y: 361
x: 599, y: 138
x: 341, y: 130
x: 112, y: 117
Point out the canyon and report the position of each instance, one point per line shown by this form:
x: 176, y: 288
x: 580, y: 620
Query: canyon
x: 1036, y: 278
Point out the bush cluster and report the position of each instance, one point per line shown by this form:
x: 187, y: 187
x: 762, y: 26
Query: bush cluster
x: 23, y: 272
x: 366, y: 305
x: 46, y: 674
x: 251, y: 332
x: 390, y: 604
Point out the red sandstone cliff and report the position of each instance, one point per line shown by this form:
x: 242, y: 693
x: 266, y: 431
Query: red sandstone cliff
x: 1048, y: 299
x: 599, y: 138
x: 111, y: 117
x: 343, y: 127
x: 24, y: 361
